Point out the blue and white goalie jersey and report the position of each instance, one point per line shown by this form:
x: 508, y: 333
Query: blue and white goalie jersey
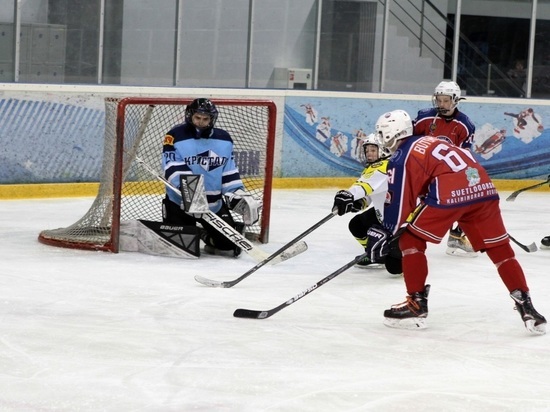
x: 212, y: 157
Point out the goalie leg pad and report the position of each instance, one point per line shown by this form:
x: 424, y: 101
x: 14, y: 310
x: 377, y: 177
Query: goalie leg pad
x: 159, y: 239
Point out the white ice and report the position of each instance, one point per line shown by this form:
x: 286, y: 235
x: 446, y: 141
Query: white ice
x: 95, y: 331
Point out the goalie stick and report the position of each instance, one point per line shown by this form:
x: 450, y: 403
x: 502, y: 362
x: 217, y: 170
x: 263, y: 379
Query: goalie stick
x: 529, y: 248
x: 281, y: 251
x: 225, y: 229
x: 264, y: 314
x: 515, y: 194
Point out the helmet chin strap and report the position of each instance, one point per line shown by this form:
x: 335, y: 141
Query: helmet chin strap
x: 202, y: 132
x: 446, y: 112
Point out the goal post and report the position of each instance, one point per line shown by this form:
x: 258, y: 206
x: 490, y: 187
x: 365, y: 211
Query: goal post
x: 134, y: 129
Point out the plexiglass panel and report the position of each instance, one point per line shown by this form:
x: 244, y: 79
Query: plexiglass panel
x: 341, y: 45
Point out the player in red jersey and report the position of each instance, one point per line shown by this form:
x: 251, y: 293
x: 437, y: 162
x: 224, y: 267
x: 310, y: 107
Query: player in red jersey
x: 433, y: 183
x: 446, y: 122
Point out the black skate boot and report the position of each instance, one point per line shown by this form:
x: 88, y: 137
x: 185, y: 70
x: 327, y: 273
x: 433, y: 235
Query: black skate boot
x: 410, y: 314
x: 211, y: 249
x: 534, y: 321
x: 239, y: 227
x: 545, y: 242
x: 366, y: 263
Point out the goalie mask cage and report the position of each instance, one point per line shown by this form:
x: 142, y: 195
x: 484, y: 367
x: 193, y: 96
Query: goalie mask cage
x: 135, y: 128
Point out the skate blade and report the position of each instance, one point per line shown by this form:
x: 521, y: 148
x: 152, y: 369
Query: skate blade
x: 407, y: 323
x: 371, y: 266
x: 535, y: 329
x: 453, y: 251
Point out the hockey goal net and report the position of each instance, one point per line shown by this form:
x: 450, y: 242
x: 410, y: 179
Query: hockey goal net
x: 135, y: 129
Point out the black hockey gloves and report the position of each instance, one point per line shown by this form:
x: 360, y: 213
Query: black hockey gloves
x: 378, y: 243
x: 344, y: 202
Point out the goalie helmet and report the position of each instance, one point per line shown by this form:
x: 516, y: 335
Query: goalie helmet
x: 447, y: 88
x: 375, y: 140
x: 394, y: 126
x: 202, y: 106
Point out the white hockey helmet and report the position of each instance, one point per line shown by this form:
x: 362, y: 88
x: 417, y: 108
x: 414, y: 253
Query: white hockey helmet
x: 394, y: 126
x: 447, y: 88
x: 374, y: 139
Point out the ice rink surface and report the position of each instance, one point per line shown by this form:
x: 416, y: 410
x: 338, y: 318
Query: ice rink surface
x: 95, y: 331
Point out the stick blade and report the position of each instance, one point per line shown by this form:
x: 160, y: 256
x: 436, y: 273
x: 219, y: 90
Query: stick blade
x: 532, y: 247
x: 292, y: 251
x: 209, y: 282
x: 250, y: 314
x: 512, y: 197
x: 515, y: 194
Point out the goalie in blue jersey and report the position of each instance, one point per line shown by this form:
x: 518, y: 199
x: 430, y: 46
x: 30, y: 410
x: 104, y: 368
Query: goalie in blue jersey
x: 196, y: 147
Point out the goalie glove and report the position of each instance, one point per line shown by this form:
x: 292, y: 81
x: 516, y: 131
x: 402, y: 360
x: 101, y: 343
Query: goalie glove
x: 244, y: 204
x: 378, y: 243
x: 343, y: 201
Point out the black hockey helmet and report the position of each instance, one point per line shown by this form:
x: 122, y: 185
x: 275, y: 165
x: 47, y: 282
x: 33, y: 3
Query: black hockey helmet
x: 203, y: 106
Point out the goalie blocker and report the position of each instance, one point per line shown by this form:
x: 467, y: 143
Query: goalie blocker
x: 194, y: 200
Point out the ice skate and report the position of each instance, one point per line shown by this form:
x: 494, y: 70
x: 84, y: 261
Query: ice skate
x: 534, y: 321
x: 545, y: 243
x: 210, y: 250
x: 366, y: 263
x: 459, y: 245
x: 410, y: 314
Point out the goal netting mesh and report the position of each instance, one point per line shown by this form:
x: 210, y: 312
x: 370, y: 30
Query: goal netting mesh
x: 135, y: 129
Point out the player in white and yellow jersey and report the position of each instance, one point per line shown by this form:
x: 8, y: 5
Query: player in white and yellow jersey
x: 367, y: 194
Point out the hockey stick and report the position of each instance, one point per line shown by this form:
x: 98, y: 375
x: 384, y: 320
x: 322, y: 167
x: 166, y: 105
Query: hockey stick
x: 515, y: 194
x: 225, y: 229
x: 529, y: 248
x: 231, y: 283
x: 263, y: 314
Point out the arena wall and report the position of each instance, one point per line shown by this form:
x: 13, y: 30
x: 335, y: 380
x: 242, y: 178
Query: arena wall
x: 52, y: 135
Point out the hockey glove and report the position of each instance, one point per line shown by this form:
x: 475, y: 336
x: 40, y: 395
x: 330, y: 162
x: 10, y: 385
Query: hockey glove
x: 343, y: 201
x: 245, y: 204
x: 359, y: 205
x: 378, y: 246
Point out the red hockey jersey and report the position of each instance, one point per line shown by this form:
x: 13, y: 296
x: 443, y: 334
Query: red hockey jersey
x: 458, y: 128
x: 434, y: 171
